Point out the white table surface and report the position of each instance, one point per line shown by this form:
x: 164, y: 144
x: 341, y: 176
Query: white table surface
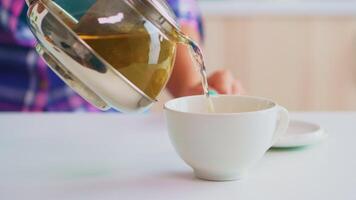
x: 113, y: 156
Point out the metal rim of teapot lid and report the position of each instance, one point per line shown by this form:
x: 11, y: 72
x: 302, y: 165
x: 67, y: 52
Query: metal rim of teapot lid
x: 160, y: 7
x: 165, y: 10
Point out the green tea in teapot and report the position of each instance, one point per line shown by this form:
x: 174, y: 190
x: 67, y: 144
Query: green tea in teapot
x: 131, y: 45
x: 144, y: 59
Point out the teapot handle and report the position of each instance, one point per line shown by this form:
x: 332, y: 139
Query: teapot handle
x: 71, y: 80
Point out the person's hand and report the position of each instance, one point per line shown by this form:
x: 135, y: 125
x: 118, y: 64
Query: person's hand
x: 221, y: 81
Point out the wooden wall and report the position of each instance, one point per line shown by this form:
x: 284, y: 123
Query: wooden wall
x: 304, y: 63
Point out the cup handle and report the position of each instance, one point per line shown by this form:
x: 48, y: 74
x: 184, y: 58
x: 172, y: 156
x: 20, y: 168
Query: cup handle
x: 282, y: 125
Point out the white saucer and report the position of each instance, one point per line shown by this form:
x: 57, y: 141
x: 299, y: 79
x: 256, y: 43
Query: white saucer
x: 300, y: 133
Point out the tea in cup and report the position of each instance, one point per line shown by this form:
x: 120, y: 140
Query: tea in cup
x: 223, y: 145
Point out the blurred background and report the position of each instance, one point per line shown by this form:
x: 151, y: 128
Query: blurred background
x: 300, y: 53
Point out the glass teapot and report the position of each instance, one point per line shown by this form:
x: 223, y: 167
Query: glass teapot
x: 116, y: 54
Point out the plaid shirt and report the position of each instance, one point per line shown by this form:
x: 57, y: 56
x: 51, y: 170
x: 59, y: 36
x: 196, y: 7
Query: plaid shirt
x: 26, y: 83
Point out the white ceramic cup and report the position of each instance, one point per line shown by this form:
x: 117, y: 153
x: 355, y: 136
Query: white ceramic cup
x: 223, y: 145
